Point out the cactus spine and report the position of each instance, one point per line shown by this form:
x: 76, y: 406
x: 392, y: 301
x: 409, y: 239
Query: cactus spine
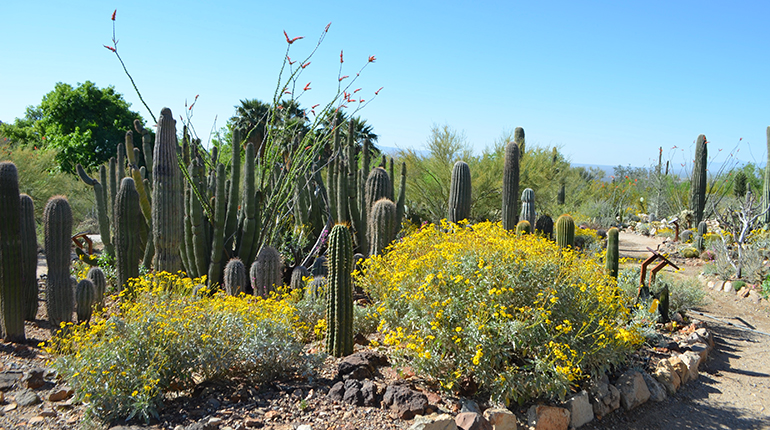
x: 382, y: 226
x: 339, y: 295
x: 528, y: 206
x: 167, y: 194
x: 565, y: 231
x: 96, y: 276
x: 698, y: 186
x: 460, y: 193
x: 28, y: 257
x: 523, y: 227
x: 612, y: 252
x: 235, y: 277
x: 12, y: 291
x: 57, y: 222
x: 511, y: 186
x: 266, y: 271
x: 128, y: 249
x: 84, y: 300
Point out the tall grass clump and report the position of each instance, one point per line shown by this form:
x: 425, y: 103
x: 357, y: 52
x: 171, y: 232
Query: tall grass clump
x: 515, y: 314
x: 166, y: 338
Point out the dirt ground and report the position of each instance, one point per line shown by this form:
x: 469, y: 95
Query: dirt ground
x: 733, y: 390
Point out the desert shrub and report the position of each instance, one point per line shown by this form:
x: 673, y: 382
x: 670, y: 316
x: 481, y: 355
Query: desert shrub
x: 684, y: 294
x: 519, y: 316
x: 165, y: 336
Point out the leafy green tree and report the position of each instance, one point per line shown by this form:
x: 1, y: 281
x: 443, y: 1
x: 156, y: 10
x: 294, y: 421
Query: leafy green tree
x: 84, y: 124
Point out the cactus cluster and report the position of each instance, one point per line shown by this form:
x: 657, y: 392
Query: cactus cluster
x: 128, y: 249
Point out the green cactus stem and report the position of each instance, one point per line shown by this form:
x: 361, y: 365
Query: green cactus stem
x: 101, y: 208
x: 562, y: 194
x: 167, y: 195
x: 382, y: 226
x: 218, y: 238
x: 298, y: 276
x: 128, y: 249
x: 84, y: 300
x: 339, y: 294
x: 266, y: 273
x: 565, y: 231
x: 460, y: 193
x: 28, y: 257
x: 235, y: 279
x: 12, y: 291
x: 400, y: 204
x: 700, y: 241
x: 511, y: 186
x: 612, y: 257
x: 518, y: 138
x: 59, y: 295
x: 698, y: 185
x: 97, y: 277
x: 528, y: 206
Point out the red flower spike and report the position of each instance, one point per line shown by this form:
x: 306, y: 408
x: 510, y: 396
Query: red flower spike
x: 113, y: 14
x: 290, y: 41
x: 307, y: 87
x: 344, y: 77
x: 357, y: 90
x: 110, y: 48
x: 287, y: 92
x: 371, y: 59
x: 341, y: 61
x: 315, y: 106
x: 361, y: 101
x: 378, y: 91
x: 306, y: 64
x: 327, y: 27
x: 289, y: 60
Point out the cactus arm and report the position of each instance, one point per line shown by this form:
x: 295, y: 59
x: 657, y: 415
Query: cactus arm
x: 218, y: 241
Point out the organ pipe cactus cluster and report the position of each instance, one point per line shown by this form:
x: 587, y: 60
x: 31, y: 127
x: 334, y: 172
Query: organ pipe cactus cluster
x: 57, y: 224
x: 612, y: 257
x: 28, y: 257
x: 339, y: 294
x: 12, y: 290
x: 460, y: 193
x: 698, y: 186
x: 511, y: 186
x: 565, y: 231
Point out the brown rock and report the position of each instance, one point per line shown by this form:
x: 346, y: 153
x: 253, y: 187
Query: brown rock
x: 754, y: 296
x: 252, y: 422
x: 36, y: 420
x: 60, y: 393
x: 501, y: 419
x: 680, y: 368
x: 33, y: 379
x: 472, y: 421
x: 666, y: 375
x: 543, y: 417
x: 633, y: 390
x: 743, y: 292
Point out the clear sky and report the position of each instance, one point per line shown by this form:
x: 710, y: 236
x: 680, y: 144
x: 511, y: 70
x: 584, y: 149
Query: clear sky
x: 608, y: 82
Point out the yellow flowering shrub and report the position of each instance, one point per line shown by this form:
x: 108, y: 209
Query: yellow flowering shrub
x: 517, y: 314
x: 169, y: 333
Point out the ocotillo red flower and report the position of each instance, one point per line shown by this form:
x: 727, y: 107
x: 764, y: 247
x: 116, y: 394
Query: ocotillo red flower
x: 371, y: 59
x: 290, y: 41
x: 307, y: 87
x: 113, y: 14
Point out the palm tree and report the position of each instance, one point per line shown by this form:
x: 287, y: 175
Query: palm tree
x: 251, y: 118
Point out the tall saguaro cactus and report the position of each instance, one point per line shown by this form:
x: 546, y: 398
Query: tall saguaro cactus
x: 59, y: 297
x: 127, y: 244
x: 698, y: 186
x: 460, y: 193
x: 11, y: 274
x: 28, y: 257
x: 339, y: 295
x: 167, y: 194
x: 511, y: 186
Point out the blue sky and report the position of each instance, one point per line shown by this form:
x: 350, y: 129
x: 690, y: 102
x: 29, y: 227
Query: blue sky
x: 607, y: 82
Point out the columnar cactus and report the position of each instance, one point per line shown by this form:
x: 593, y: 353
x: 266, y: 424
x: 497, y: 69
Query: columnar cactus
x: 59, y: 296
x: 378, y: 186
x: 382, y: 226
x: 511, y: 186
x: 766, y: 185
x: 561, y: 196
x: 297, y: 282
x: 28, y: 257
x: 612, y: 252
x: 128, y: 249
x: 518, y: 138
x: 460, y: 193
x: 339, y: 294
x: 698, y: 186
x: 102, y: 210
x: 96, y: 276
x: 544, y: 225
x: 528, y: 206
x: 12, y: 291
x: 400, y: 203
x: 266, y: 271
x: 235, y: 279
x: 565, y: 231
x: 523, y: 227
x: 699, y: 241
x: 218, y: 242
x: 167, y: 195
x: 84, y: 300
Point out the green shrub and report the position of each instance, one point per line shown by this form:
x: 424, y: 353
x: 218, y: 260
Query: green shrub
x: 515, y: 313
x: 684, y: 294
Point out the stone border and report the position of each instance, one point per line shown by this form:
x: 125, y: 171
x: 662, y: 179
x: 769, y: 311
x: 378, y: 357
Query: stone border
x: 748, y: 291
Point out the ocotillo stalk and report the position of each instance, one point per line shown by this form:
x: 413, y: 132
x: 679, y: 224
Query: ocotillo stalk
x: 167, y: 195
x: 339, y: 295
x: 698, y: 186
x: 12, y: 291
x: 460, y: 193
x: 59, y: 297
x: 612, y: 252
x: 511, y: 186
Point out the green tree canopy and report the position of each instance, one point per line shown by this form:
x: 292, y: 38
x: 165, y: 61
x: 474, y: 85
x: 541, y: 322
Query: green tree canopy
x: 84, y: 124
